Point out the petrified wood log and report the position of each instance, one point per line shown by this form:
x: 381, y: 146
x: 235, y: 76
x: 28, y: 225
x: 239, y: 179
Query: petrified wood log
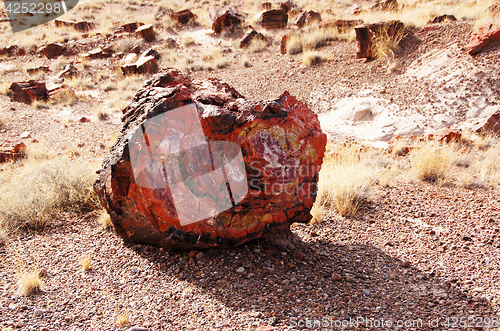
x: 274, y: 19
x: 197, y: 165
x: 225, y: 18
x: 28, y: 92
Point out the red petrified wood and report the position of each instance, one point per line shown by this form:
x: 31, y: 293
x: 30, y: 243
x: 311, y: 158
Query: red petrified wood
x: 12, y: 153
x: 482, y: 38
x: 28, y: 92
x: 281, y: 150
x: 225, y: 18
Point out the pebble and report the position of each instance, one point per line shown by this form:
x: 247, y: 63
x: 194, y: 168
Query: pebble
x: 38, y: 312
x: 240, y: 270
x: 336, y: 277
x: 137, y: 328
x: 366, y: 292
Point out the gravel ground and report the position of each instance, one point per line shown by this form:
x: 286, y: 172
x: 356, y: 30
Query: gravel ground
x: 416, y: 253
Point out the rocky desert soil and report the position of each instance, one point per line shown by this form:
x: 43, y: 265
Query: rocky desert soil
x: 417, y: 256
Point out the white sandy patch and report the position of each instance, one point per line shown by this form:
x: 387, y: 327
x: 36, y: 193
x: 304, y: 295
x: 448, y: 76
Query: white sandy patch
x: 372, y: 120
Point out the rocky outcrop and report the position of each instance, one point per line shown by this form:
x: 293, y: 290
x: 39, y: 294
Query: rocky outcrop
x: 226, y: 18
x: 481, y: 39
x: 197, y: 165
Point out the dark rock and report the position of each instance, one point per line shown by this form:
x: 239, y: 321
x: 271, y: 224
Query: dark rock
x: 131, y: 27
x: 290, y: 7
x: 83, y: 26
x: 307, y: 17
x: 152, y: 52
x: 146, y: 32
x: 184, y: 16
x: 443, y: 18
x: 249, y: 37
x: 12, y: 153
x: 274, y: 19
x: 224, y: 170
x: 53, y: 50
x: 367, y: 32
x: 34, y: 70
x: 284, y: 41
x: 226, y: 18
x: 28, y: 92
x: 97, y: 53
x: 12, y: 51
x: 489, y: 124
x: 486, y: 35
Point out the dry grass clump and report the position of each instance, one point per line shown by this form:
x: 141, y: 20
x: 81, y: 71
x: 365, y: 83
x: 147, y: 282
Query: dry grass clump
x: 245, y: 61
x: 125, y: 45
x: 44, y: 189
x: 344, y: 180
x: 385, y: 44
x: 123, y: 319
x: 488, y: 165
x: 105, y: 220
x: 81, y: 83
x: 256, y: 46
x: 85, y: 262
x: 29, y: 282
x: 208, y: 61
x: 313, y: 38
x: 124, y: 91
x: 433, y: 162
x: 310, y: 58
x: 5, y: 87
x: 188, y: 41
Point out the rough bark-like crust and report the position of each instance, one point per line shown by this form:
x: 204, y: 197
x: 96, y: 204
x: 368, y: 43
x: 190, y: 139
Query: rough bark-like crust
x: 282, y: 147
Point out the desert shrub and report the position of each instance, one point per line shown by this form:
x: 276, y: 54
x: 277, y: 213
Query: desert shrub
x: 42, y: 190
x: 385, y: 44
x: 313, y: 38
x: 344, y: 180
x: 433, y: 162
x: 125, y: 45
x: 313, y: 57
